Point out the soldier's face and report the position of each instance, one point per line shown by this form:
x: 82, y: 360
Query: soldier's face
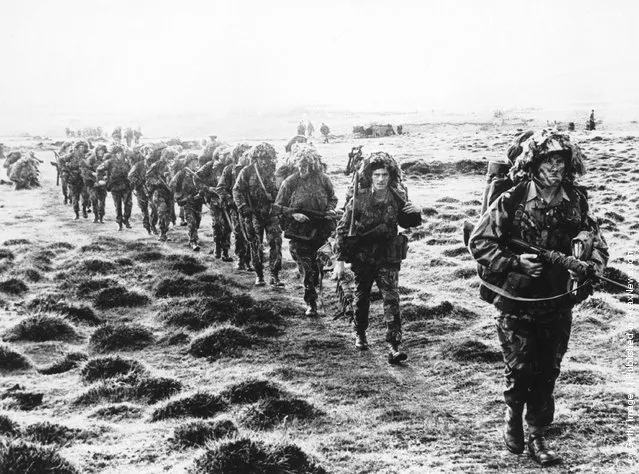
x: 304, y: 168
x: 551, y: 170
x: 192, y: 165
x: 380, y: 179
x: 100, y: 153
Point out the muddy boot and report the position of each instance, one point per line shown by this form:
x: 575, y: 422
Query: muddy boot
x: 275, y: 281
x: 84, y: 212
x: 183, y: 223
x: 226, y: 257
x: 154, y: 230
x: 513, y: 431
x: 102, y: 220
x: 259, y: 280
x: 395, y: 357
x: 96, y: 220
x: 148, y: 229
x: 539, y: 450
x: 126, y: 224
x: 311, y: 309
x: 77, y: 216
x: 119, y: 226
x: 360, y: 341
x: 195, y: 247
x: 218, y: 252
x: 163, y: 237
x: 240, y: 266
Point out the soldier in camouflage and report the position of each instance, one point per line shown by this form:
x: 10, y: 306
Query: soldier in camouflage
x: 187, y: 194
x: 367, y: 237
x: 72, y: 170
x: 225, y: 191
x: 116, y: 169
x: 161, y: 195
x: 307, y: 201
x: 137, y: 179
x: 254, y: 192
x: 97, y: 190
x: 545, y: 208
x: 208, y: 176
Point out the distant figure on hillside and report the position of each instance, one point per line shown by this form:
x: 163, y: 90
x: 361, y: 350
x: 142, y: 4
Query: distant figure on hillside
x: 591, y: 121
x: 400, y: 129
x: 309, y: 129
x: 301, y: 128
x: 325, y: 131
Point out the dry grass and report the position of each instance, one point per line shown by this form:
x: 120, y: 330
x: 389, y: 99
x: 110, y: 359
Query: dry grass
x: 198, y: 432
x: 41, y: 327
x: 29, y: 458
x: 198, y: 405
x: 120, y: 336
x: 100, y: 368
x: 70, y: 362
x: 226, y: 341
x: 11, y: 360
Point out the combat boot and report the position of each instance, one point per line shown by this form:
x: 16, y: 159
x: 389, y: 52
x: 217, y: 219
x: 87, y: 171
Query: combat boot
x: 119, y: 226
x: 540, y: 452
x: 259, y: 280
x: 183, y: 223
x: 126, y: 224
x: 226, y: 257
x: 195, y: 247
x: 241, y: 266
x: 163, y: 237
x: 84, y: 212
x: 77, y: 215
x: 154, y: 230
x: 275, y: 281
x: 395, y: 356
x: 513, y: 432
x: 96, y: 220
x: 360, y: 341
x: 311, y: 309
x: 148, y: 229
x: 218, y: 252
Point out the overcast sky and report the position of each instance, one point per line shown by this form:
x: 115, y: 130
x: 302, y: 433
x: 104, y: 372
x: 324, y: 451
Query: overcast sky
x: 138, y: 58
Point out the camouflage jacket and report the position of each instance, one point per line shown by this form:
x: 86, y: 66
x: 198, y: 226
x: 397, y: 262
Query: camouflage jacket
x: 248, y: 191
x: 89, y: 170
x: 71, y: 167
x: 117, y: 171
x: 183, y: 185
x: 209, y: 173
x: 522, y: 213
x: 156, y: 179
x: 313, y: 193
x: 376, y: 220
x: 226, y: 181
x: 137, y: 176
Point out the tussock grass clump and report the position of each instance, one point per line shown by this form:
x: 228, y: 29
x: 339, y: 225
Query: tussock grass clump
x: 465, y: 273
x: 456, y: 252
x: 429, y: 211
x: 111, y: 242
x: 139, y: 246
x: 96, y: 265
x: 447, y: 199
x: 6, y: 254
x: 61, y: 246
x: 27, y: 458
x: 270, y: 412
x: 616, y: 275
x: 148, y: 256
x: 12, y: 242
x: 186, y: 264
x: 41, y: 327
x: 172, y: 286
x: 11, y: 360
x: 108, y: 367
x: 124, y: 262
x: 31, y: 274
x: 601, y: 307
x: 130, y: 388
x: 93, y: 247
x: 8, y: 427
x: 117, y: 412
x: 13, y: 286
x: 253, y: 390
x: 240, y: 456
x: 614, y: 216
x: 43, y: 259
x: 56, y: 303
x: 88, y: 286
x: 198, y: 405
x: 199, y: 432
x: 23, y: 400
x: 412, y: 312
x: 175, y: 339
x: 120, y: 336
x: 581, y: 377
x: 70, y: 362
x: 220, y: 342
x: 45, y: 432
x: 118, y: 296
x: 471, y: 350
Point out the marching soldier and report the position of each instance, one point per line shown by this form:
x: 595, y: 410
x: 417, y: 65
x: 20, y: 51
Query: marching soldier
x: 97, y: 189
x: 254, y: 192
x: 72, y: 171
x: 545, y: 208
x: 116, y: 166
x: 367, y: 238
x: 137, y: 179
x: 308, y: 201
x: 187, y: 195
x: 159, y: 190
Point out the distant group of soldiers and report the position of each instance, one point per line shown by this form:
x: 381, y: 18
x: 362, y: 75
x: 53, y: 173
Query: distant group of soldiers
x: 307, y: 130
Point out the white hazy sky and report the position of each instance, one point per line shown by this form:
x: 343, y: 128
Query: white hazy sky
x: 140, y: 57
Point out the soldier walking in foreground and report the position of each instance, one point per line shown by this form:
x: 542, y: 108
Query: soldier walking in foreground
x: 97, y: 189
x: 159, y: 190
x: 367, y: 238
x: 307, y: 200
x: 187, y: 195
x: 547, y: 209
x: 116, y: 166
x: 137, y: 179
x: 253, y: 193
x: 225, y: 191
x: 72, y: 171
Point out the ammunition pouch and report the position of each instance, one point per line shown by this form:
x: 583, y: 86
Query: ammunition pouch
x: 398, y: 249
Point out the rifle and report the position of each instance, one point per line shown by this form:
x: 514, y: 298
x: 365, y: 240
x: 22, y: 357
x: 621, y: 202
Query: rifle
x: 308, y: 212
x: 57, y: 169
x: 351, y: 229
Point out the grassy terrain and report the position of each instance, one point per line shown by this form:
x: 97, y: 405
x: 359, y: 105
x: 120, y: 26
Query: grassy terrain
x: 127, y: 355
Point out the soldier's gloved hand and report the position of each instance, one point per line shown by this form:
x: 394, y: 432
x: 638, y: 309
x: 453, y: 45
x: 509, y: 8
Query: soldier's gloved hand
x: 338, y: 271
x: 299, y: 217
x: 528, y: 265
x: 410, y: 208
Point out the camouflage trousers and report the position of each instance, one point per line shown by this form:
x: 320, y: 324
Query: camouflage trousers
x: 143, y: 203
x: 64, y: 184
x: 97, y: 196
x: 533, y: 347
x: 387, y: 278
x: 123, y: 202
x: 161, y: 209
x: 221, y: 229
x: 193, y: 216
x: 304, y: 252
x: 85, y: 195
x: 75, y: 193
x: 242, y: 250
x: 256, y: 228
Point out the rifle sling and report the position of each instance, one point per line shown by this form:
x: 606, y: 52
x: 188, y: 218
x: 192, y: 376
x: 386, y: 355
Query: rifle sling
x: 505, y: 294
